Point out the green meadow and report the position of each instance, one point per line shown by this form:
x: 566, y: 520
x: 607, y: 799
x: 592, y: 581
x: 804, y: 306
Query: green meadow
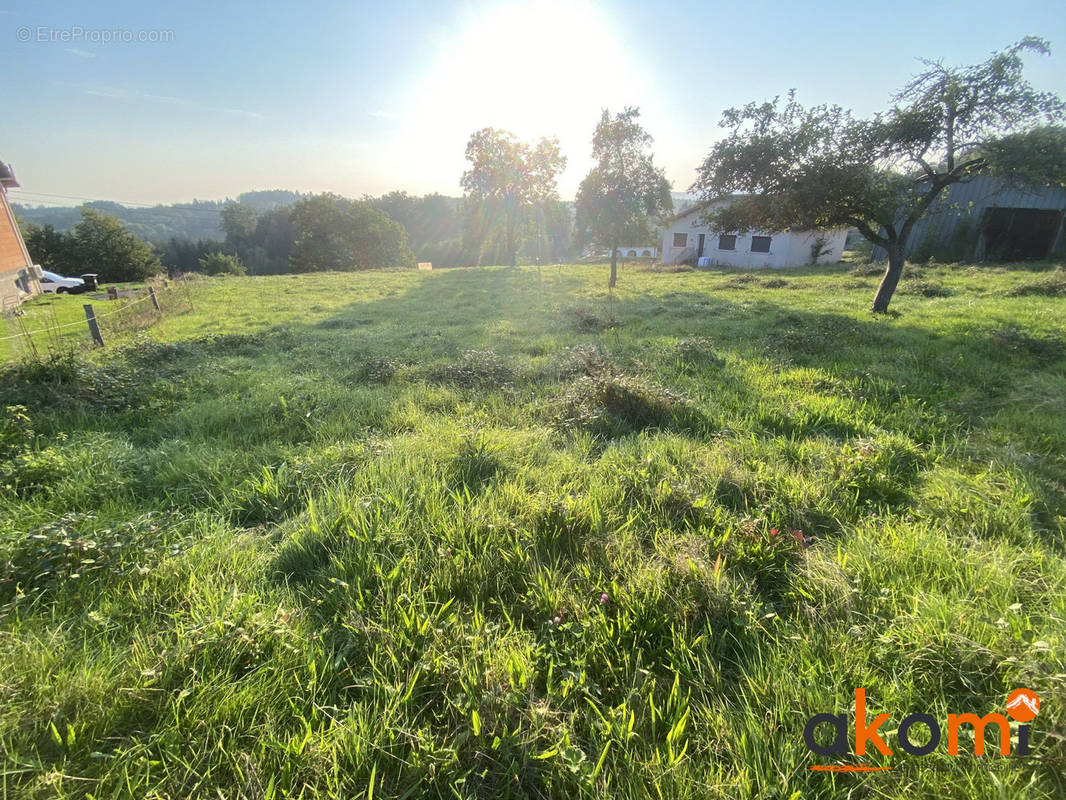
x: 490, y: 533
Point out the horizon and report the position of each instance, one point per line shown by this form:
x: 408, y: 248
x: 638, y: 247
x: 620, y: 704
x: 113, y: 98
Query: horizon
x: 384, y: 99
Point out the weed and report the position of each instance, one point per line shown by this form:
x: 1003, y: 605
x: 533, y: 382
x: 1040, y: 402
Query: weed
x: 587, y: 321
x: 380, y: 369
x: 476, y: 369
x: 583, y: 359
x: 696, y: 352
x: 927, y: 289
x: 616, y: 405
x: 1051, y: 285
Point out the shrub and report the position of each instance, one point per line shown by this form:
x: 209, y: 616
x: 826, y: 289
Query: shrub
x: 221, y: 264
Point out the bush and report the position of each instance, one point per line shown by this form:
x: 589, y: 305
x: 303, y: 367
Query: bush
x: 221, y: 264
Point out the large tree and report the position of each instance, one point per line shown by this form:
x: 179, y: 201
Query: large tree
x: 102, y: 244
x: 508, y: 182
x: 335, y: 233
x: 625, y: 193
x: 820, y: 167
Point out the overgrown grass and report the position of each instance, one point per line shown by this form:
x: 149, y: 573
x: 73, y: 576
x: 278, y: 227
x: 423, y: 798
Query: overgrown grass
x: 498, y: 533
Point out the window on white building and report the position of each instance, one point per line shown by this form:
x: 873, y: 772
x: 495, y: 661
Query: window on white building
x: 760, y: 244
x: 727, y: 242
x: 680, y: 240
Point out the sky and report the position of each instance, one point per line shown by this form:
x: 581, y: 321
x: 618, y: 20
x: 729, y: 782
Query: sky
x: 166, y: 102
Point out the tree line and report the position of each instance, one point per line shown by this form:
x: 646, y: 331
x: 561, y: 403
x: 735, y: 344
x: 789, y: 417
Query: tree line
x: 318, y: 232
x: 785, y: 166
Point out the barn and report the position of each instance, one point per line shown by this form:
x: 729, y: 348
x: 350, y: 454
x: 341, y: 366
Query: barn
x: 985, y: 219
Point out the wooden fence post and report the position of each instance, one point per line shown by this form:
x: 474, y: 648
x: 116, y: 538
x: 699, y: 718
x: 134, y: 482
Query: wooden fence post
x: 155, y: 300
x: 94, y: 329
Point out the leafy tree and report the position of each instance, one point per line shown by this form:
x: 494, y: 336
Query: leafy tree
x: 221, y: 264
x: 51, y: 249
x: 238, y: 223
x: 335, y: 233
x: 184, y: 255
x: 625, y: 193
x: 102, y: 244
x: 433, y: 224
x: 819, y: 167
x: 272, y: 242
x: 507, y: 182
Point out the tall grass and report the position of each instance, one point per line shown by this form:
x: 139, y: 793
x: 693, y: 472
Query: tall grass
x: 406, y: 535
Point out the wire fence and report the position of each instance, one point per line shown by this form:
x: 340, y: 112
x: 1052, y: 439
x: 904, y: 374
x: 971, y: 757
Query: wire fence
x: 103, y: 318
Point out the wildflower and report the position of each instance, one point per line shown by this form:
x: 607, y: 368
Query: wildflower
x: 773, y: 532
x: 557, y: 619
x: 804, y: 541
x: 603, y: 599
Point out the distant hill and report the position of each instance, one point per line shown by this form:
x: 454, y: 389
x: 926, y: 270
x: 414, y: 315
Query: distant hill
x: 196, y: 220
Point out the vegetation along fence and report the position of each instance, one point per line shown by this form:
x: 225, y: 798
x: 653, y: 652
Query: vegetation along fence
x: 100, y: 319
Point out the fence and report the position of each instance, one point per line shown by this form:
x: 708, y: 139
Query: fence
x: 100, y: 320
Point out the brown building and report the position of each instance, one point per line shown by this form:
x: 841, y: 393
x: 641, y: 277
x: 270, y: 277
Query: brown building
x: 18, y: 277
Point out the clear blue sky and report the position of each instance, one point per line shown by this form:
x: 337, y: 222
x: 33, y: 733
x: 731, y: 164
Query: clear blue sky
x: 366, y: 97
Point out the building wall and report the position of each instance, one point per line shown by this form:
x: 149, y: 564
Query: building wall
x: 639, y: 251
x: 952, y: 222
x: 15, y: 260
x: 788, y: 249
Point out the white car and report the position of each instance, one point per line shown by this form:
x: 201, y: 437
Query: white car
x: 53, y: 282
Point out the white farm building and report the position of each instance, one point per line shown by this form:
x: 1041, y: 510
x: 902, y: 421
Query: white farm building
x: 688, y: 238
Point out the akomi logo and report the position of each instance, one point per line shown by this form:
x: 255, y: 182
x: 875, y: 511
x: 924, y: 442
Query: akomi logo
x: 1022, y: 705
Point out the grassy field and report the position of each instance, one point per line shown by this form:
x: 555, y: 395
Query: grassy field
x: 496, y: 533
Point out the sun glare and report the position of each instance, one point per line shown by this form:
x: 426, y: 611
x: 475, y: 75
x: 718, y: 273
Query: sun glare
x: 536, y: 68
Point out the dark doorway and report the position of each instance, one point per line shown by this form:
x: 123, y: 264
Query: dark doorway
x: 1019, y: 234
x: 699, y: 244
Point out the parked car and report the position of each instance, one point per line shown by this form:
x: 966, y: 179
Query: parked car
x: 53, y: 282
